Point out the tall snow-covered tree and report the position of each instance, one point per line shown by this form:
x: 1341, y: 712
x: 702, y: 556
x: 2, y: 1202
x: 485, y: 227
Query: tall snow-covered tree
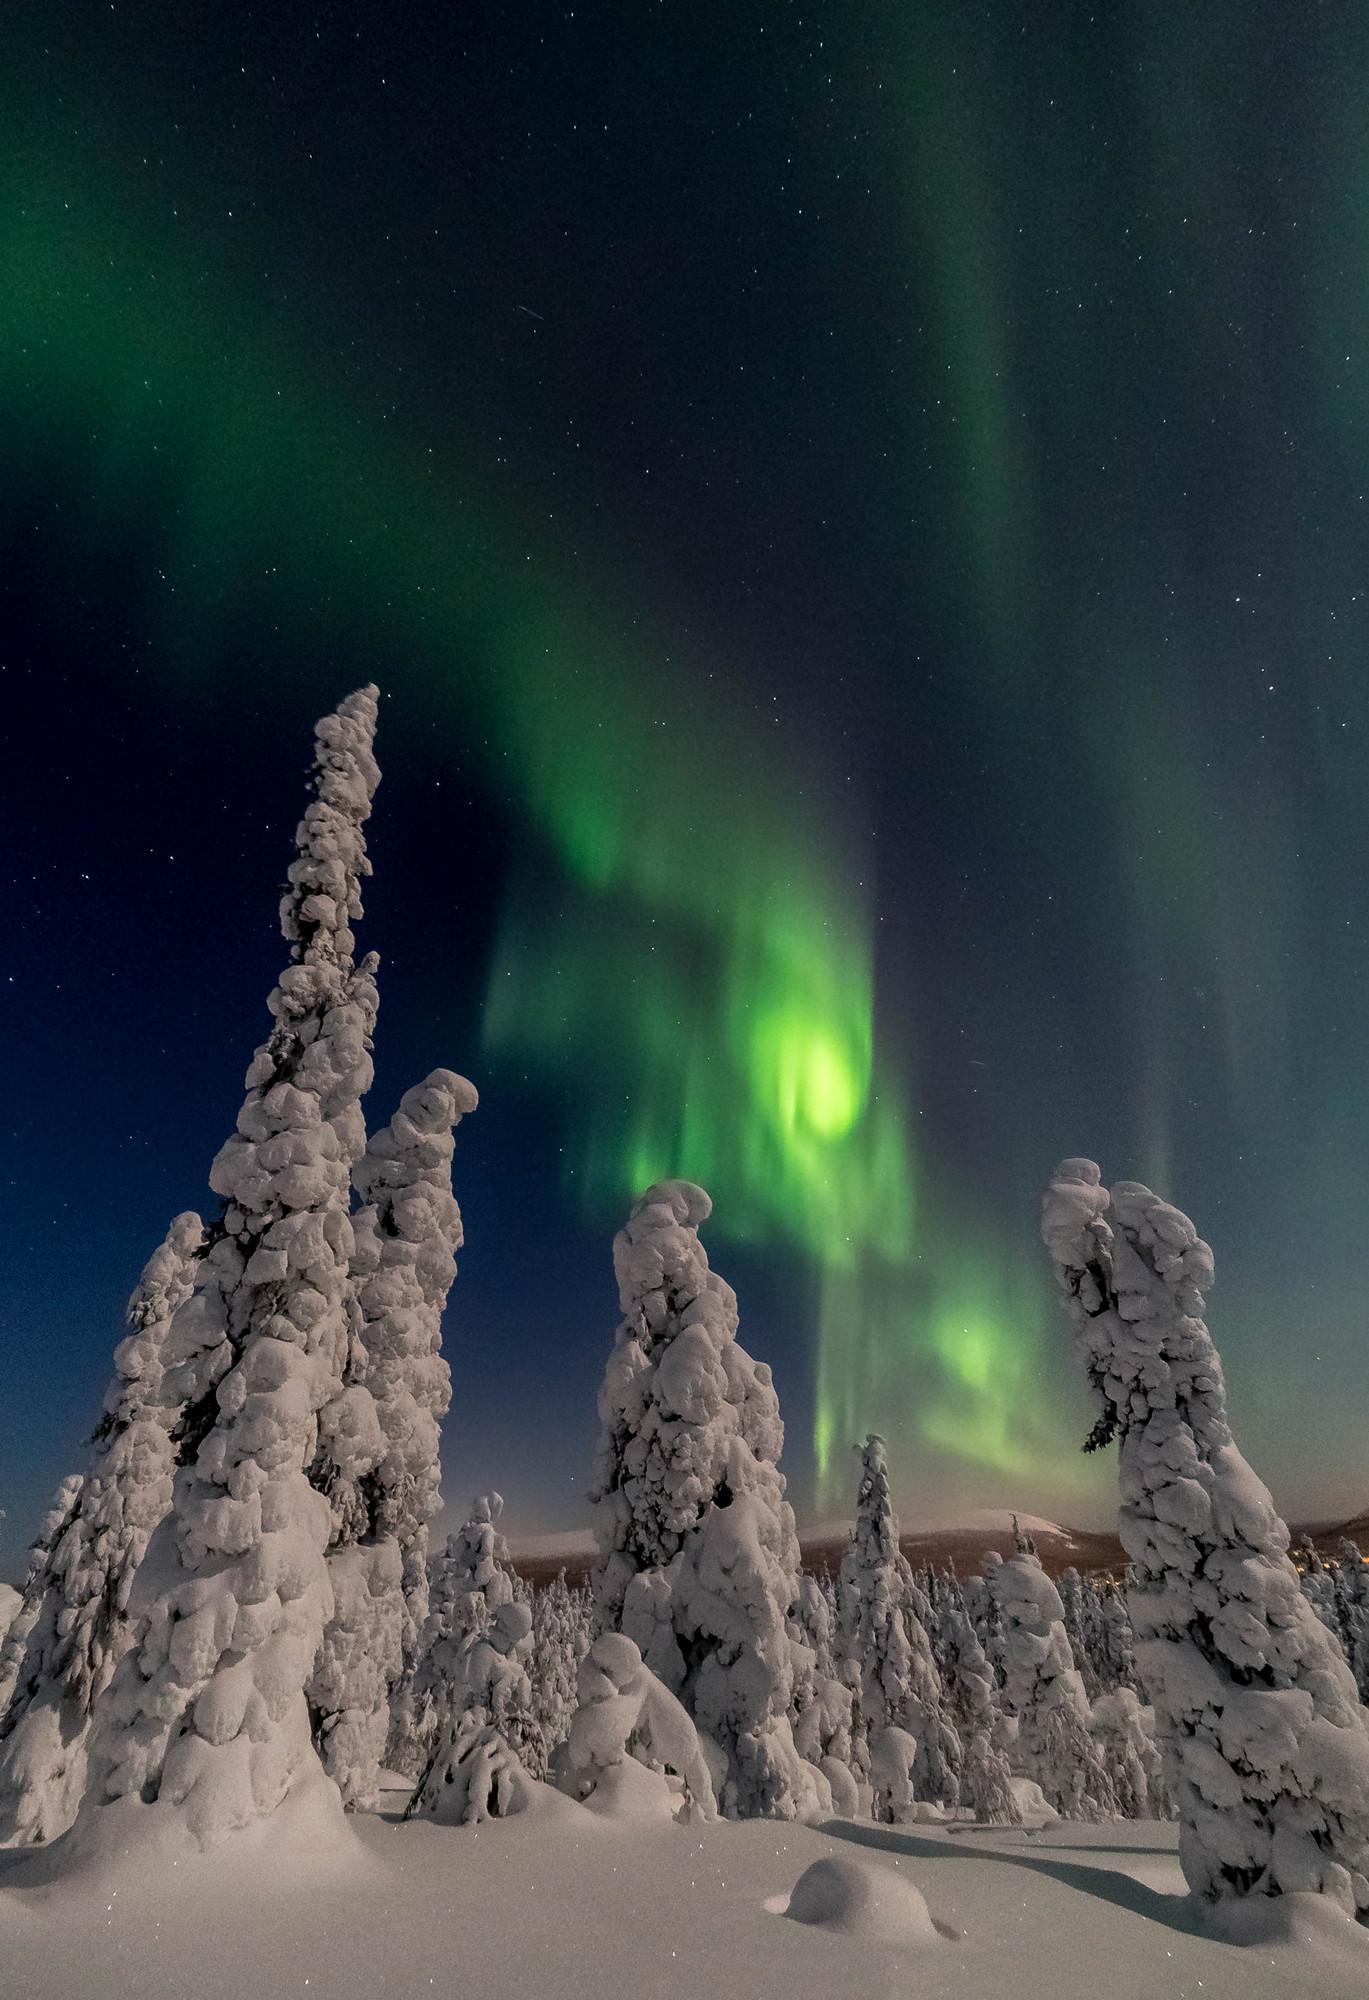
x: 883, y: 1638
x: 82, y: 1629
x: 700, y: 1554
x: 396, y: 1392
x: 207, y: 1717
x: 1265, y: 1744
x: 1055, y: 1746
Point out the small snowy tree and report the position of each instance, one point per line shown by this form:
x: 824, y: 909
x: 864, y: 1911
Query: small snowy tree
x: 1055, y: 1746
x: 823, y: 1705
x: 985, y: 1616
x: 492, y: 1704
x: 972, y: 1699
x: 83, y: 1629
x: 1352, y: 1599
x: 700, y: 1554
x: 883, y: 1638
x: 561, y: 1633
x: 208, y: 1715
x: 1075, y: 1599
x: 1318, y: 1586
x: 1125, y: 1735
x: 60, y: 1513
x: 621, y: 1705
x: 1265, y: 1744
x: 1117, y: 1650
x: 382, y: 1432
x: 473, y: 1676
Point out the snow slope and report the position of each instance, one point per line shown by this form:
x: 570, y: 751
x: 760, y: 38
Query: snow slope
x: 572, y: 1906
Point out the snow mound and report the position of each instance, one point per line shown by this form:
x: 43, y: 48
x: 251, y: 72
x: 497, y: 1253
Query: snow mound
x: 861, y: 1899
x: 120, y: 1847
x: 1314, y: 1924
x: 1032, y: 1803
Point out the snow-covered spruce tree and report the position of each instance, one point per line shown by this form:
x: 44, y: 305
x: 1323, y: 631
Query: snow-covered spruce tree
x: 60, y: 1513
x: 83, y: 1629
x: 473, y: 1677
x: 822, y: 1704
x: 972, y: 1700
x: 1125, y: 1734
x: 378, y: 1458
x: 1318, y: 1586
x: 489, y: 1731
x: 1266, y: 1747
x: 208, y: 1716
x: 1352, y: 1600
x: 984, y: 1614
x: 883, y: 1641
x: 1075, y: 1596
x: 1116, y: 1642
x: 1055, y: 1746
x: 700, y: 1554
x: 561, y: 1633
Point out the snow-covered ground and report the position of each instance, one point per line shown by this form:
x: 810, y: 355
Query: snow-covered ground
x: 564, y: 1906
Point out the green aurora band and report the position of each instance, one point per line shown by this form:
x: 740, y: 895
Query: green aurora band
x: 688, y: 955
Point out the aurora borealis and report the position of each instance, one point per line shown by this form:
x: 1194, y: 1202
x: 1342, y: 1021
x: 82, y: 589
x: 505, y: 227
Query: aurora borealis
x: 859, y: 521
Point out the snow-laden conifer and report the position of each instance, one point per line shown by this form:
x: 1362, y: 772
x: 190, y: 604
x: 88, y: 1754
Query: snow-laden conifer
x: 1318, y: 1586
x: 883, y: 1638
x: 1266, y: 1746
x: 1116, y: 1642
x: 972, y: 1701
x: 1125, y: 1734
x: 408, y: 1234
x: 1076, y: 1600
x: 1352, y: 1600
x: 1055, y: 1746
x: 561, y: 1634
x: 208, y: 1715
x: 489, y: 1723
x: 823, y: 1705
x: 396, y: 1391
x: 61, y: 1511
x: 700, y: 1556
x: 83, y: 1629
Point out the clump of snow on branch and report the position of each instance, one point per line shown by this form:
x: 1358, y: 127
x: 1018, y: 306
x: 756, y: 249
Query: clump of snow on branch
x: 622, y: 1707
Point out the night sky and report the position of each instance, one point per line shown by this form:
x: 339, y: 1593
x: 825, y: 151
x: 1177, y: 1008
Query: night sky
x: 859, y: 517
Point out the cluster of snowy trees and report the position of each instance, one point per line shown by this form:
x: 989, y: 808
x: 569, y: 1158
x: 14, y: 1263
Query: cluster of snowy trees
x: 235, y: 1601
x: 225, y: 1603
